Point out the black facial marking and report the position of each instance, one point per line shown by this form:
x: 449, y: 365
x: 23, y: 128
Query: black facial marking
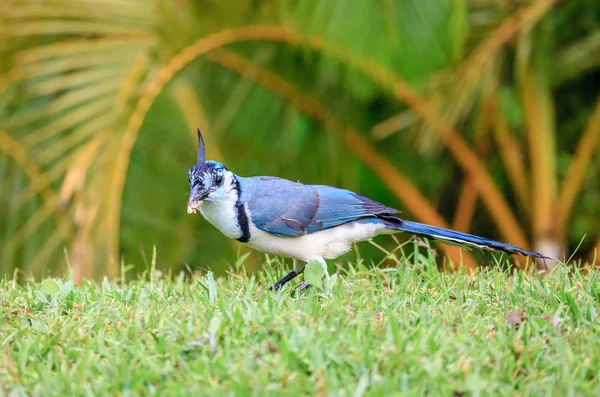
x: 243, y: 222
x: 241, y: 215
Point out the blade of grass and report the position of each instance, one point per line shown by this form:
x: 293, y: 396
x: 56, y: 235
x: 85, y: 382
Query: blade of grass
x: 595, y: 254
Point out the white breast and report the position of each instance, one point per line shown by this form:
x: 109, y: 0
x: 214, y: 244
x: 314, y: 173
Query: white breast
x: 327, y: 244
x: 222, y: 214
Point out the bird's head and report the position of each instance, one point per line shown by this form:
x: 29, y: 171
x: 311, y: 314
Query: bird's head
x: 209, y: 180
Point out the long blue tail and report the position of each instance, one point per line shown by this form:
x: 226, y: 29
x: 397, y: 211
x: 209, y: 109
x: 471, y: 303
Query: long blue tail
x: 452, y: 237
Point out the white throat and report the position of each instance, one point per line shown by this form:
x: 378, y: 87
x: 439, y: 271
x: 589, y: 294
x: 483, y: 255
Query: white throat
x: 222, y: 213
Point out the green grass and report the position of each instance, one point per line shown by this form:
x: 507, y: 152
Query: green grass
x: 408, y: 330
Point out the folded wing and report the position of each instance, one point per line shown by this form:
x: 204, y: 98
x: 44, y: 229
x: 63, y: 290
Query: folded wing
x: 292, y: 209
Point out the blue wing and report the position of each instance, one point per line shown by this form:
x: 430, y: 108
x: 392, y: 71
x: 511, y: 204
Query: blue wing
x: 338, y: 206
x: 292, y: 209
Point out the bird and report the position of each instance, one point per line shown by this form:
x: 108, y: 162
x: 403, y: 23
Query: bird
x: 304, y: 222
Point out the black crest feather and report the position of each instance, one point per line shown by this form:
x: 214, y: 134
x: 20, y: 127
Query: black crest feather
x: 201, y: 148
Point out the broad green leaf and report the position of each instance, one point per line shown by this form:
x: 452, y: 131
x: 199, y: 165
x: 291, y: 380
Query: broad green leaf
x: 313, y: 273
x: 50, y: 287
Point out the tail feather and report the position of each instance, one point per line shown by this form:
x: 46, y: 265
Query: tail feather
x: 451, y: 236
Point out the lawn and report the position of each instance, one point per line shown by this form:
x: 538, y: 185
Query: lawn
x: 407, y: 330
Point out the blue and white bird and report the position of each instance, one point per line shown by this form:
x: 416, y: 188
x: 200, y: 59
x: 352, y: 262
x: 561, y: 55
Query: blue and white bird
x: 303, y: 222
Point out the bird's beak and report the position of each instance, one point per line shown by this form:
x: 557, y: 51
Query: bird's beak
x: 196, y: 198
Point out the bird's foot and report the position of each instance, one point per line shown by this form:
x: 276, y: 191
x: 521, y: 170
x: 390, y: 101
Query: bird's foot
x: 302, y: 287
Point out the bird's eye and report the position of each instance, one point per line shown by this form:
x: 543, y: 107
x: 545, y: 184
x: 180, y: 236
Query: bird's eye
x: 219, y: 179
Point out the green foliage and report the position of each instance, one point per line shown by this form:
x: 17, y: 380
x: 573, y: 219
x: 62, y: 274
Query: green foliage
x: 313, y: 273
x: 408, y: 329
x: 50, y: 287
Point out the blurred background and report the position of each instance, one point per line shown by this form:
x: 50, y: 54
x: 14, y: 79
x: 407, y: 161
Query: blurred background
x: 480, y: 115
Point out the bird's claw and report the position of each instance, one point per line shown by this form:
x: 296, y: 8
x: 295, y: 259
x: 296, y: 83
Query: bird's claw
x: 304, y: 286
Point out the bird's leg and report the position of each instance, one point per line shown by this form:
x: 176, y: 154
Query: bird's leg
x: 284, y: 280
x: 298, y: 268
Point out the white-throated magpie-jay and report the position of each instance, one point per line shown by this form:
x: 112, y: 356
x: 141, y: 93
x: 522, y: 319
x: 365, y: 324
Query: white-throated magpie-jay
x: 304, y: 222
